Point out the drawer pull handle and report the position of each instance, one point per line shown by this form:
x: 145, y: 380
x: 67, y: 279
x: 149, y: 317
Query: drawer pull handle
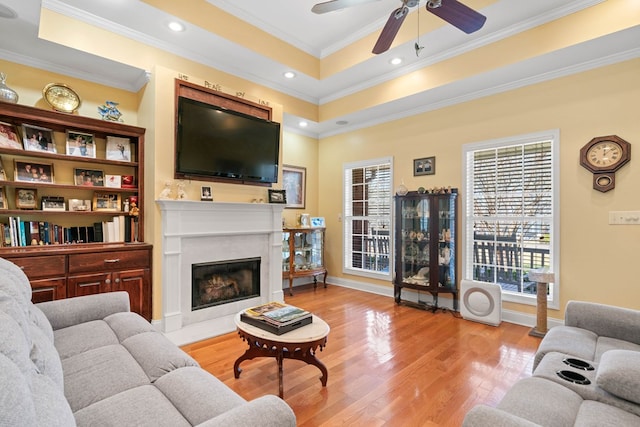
x: 111, y: 261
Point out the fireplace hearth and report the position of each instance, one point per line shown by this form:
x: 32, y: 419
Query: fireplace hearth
x: 215, y: 283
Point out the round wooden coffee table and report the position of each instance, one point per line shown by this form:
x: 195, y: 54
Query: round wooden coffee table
x: 299, y: 344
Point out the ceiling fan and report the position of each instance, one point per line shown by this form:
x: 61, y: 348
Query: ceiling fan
x: 452, y: 11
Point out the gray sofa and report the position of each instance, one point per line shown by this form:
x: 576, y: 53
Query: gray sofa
x: 89, y: 361
x: 586, y: 373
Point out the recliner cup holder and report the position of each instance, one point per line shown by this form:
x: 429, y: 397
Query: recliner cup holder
x: 578, y: 364
x: 573, y: 377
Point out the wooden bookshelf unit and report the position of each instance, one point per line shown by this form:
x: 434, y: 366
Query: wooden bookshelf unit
x: 67, y: 262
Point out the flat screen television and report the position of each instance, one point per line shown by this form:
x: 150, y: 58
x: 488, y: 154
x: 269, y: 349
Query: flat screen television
x: 213, y: 142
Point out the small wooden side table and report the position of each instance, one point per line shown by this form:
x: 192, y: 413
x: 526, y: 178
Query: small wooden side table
x: 299, y: 344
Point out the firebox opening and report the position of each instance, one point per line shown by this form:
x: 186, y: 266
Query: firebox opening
x: 215, y: 283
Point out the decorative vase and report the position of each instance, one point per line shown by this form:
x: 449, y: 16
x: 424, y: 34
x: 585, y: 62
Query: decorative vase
x: 402, y: 190
x: 6, y: 93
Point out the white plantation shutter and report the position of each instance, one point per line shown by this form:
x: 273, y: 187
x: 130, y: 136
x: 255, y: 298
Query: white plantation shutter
x: 367, y: 217
x: 511, y: 200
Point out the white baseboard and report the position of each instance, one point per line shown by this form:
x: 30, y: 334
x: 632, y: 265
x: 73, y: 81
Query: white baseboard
x: 444, y: 300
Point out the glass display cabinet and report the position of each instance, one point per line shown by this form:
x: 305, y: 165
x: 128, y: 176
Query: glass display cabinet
x: 303, y: 254
x: 426, y: 249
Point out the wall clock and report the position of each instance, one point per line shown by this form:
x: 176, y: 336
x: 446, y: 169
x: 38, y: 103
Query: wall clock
x: 603, y: 156
x: 61, y: 97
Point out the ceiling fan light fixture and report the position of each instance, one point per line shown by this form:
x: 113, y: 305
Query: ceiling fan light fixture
x: 434, y: 4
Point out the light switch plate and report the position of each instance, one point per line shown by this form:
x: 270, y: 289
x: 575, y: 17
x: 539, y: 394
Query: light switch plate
x: 624, y: 217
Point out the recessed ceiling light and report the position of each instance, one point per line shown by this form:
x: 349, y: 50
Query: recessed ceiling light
x: 342, y: 122
x: 289, y: 74
x: 395, y: 61
x: 303, y: 124
x: 175, y: 26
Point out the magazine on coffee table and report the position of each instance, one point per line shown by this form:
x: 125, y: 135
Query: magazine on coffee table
x: 276, y: 317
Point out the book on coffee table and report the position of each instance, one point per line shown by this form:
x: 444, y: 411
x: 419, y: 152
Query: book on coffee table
x: 277, y: 318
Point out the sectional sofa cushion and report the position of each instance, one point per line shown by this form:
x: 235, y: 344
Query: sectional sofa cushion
x: 619, y: 374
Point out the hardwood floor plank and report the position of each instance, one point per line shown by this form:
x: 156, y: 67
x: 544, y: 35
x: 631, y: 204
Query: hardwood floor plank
x: 388, y: 365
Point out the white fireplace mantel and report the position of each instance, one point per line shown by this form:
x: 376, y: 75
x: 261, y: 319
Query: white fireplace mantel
x: 196, y: 232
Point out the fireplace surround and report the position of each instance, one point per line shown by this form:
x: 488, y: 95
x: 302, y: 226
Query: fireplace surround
x: 196, y: 232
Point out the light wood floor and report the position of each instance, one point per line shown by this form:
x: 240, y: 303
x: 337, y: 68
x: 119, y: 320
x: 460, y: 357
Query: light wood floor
x: 388, y: 365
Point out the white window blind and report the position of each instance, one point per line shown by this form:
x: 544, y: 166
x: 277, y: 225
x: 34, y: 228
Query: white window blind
x: 367, y: 217
x: 511, y: 211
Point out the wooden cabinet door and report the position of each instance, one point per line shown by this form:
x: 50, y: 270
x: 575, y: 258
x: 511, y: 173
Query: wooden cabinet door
x: 48, y: 289
x: 88, y: 284
x: 138, y: 284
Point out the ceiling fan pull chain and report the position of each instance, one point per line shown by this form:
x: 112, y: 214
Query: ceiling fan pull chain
x: 417, y: 46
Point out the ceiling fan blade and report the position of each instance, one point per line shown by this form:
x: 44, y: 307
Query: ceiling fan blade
x: 330, y: 6
x: 457, y: 14
x: 390, y: 30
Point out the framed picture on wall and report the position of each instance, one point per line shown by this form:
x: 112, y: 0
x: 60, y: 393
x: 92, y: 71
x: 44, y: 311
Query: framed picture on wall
x: 294, y: 181
x: 424, y: 166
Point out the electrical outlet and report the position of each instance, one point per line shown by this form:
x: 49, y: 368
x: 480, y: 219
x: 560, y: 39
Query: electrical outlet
x: 624, y: 217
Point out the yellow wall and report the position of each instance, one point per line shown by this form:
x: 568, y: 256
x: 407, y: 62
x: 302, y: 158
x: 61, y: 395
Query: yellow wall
x: 29, y: 82
x: 596, y: 258
x: 302, y: 151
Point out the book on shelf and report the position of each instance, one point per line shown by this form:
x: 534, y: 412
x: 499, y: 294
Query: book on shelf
x: 277, y: 318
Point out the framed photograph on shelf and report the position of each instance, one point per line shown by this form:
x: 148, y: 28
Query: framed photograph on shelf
x: 317, y: 221
x: 78, y: 205
x: 52, y: 203
x: 424, y: 166
x: 88, y: 177
x: 3, y: 174
x: 277, y: 196
x: 36, y: 138
x: 9, y: 136
x: 118, y: 149
x: 294, y: 181
x: 107, y: 202
x: 112, y: 181
x: 81, y: 144
x: 205, y: 193
x: 26, y: 198
x: 3, y: 200
x: 33, y: 172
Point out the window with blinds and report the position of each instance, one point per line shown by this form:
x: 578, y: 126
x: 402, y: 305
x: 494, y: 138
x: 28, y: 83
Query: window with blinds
x: 510, y: 212
x: 367, y: 217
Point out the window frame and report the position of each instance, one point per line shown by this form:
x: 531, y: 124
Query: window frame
x: 346, y: 221
x: 552, y: 135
